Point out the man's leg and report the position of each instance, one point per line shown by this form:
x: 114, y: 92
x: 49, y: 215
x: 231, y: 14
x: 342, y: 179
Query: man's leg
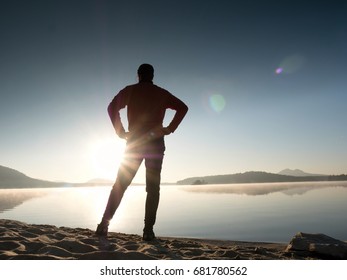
x: 153, y: 170
x: 152, y: 199
x: 125, y: 175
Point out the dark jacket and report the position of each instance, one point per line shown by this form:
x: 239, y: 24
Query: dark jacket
x: 146, y: 105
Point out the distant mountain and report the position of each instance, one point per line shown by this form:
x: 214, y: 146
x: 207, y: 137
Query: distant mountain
x: 99, y: 181
x: 96, y: 182
x: 257, y: 177
x: 10, y: 178
x: 297, y: 172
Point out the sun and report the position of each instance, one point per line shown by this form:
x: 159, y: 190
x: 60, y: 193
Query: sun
x: 105, y: 156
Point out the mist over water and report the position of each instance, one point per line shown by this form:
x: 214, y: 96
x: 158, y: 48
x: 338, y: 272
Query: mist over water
x: 250, y: 212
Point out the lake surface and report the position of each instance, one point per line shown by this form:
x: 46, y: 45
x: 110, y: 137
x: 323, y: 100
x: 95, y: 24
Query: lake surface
x: 271, y: 212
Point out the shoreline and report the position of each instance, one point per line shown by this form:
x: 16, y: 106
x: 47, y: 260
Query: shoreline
x: 24, y: 241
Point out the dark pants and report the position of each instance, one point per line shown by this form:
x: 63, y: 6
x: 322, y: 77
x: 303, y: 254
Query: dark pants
x: 152, y: 152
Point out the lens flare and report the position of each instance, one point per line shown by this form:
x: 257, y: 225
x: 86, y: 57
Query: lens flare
x: 291, y: 64
x: 279, y: 70
x: 217, y: 103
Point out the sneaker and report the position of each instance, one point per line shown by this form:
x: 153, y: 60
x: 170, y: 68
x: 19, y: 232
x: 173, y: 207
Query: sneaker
x: 148, y: 235
x: 102, y: 229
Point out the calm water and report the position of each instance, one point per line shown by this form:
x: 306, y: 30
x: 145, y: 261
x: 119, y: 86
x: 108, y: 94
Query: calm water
x: 251, y: 212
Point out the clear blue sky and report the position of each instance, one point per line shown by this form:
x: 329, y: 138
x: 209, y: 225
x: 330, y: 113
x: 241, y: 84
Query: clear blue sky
x: 265, y: 82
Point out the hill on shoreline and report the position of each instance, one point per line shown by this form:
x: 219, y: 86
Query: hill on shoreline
x: 10, y: 178
x: 257, y: 177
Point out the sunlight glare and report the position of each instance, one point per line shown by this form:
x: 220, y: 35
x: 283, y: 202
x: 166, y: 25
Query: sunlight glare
x: 106, y: 156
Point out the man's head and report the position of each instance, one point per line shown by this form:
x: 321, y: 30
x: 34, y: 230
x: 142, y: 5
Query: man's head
x: 145, y: 72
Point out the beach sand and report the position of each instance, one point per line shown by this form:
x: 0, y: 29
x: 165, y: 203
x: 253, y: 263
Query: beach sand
x: 23, y: 241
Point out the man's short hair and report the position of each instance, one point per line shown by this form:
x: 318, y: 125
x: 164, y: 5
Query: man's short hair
x: 146, y: 71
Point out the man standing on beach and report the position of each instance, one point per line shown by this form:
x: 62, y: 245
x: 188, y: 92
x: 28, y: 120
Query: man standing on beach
x: 146, y: 105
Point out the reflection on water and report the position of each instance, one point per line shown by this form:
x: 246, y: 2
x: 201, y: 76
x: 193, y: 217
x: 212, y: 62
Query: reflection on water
x: 250, y: 212
x: 264, y: 188
x: 11, y: 198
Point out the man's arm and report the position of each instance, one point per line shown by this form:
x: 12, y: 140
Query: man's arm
x: 118, y: 103
x: 181, y: 110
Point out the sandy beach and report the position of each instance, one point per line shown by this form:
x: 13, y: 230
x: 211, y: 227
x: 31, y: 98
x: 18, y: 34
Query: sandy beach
x: 23, y: 241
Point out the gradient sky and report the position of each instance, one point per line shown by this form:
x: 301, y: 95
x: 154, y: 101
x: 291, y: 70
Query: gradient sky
x: 265, y: 82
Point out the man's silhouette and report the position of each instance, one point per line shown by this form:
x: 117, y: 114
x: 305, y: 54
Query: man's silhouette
x: 146, y: 105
